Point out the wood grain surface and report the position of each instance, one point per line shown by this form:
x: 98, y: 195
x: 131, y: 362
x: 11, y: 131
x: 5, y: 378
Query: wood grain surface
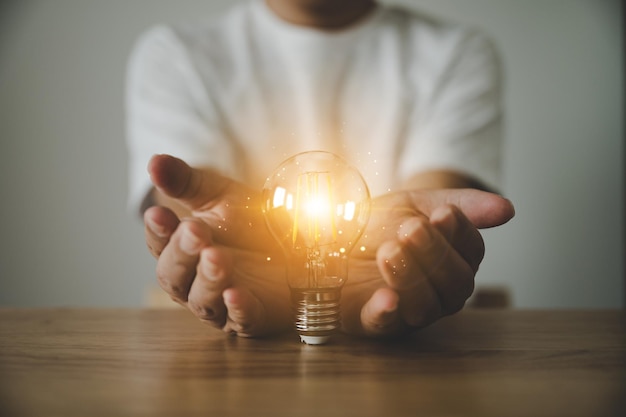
x: 101, y: 362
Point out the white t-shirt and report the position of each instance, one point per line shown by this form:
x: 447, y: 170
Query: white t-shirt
x: 396, y: 94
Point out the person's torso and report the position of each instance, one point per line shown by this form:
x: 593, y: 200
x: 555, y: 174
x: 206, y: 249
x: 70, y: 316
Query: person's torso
x: 283, y: 89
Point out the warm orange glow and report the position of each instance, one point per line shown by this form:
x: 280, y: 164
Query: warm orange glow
x: 313, y: 206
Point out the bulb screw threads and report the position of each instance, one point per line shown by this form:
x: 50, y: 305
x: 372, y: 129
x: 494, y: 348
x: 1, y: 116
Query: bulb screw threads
x: 318, y: 313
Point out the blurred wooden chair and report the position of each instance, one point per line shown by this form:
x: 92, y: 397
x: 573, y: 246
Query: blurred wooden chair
x: 490, y: 296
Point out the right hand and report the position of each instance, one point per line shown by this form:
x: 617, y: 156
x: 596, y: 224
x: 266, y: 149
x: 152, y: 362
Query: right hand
x: 221, y: 262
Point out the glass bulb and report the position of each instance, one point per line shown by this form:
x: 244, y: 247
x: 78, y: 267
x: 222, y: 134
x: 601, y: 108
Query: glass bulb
x: 317, y: 206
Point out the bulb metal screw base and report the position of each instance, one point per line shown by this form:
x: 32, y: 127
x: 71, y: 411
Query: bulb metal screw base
x: 318, y: 314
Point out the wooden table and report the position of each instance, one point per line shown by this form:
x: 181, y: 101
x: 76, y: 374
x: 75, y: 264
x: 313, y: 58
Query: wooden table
x: 90, y: 362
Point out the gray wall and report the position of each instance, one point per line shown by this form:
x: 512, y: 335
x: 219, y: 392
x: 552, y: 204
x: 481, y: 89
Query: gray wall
x: 66, y: 235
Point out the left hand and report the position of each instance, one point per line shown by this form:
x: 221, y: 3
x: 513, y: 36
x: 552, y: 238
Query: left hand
x: 422, y: 251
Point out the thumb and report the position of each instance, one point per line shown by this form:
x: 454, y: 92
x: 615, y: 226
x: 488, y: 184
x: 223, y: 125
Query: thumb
x: 482, y: 208
x: 191, y: 186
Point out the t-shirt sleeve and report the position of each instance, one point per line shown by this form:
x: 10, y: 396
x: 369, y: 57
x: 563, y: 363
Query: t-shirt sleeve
x: 456, y: 121
x: 169, y: 111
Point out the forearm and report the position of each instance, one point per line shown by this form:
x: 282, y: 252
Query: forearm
x: 434, y: 179
x: 438, y: 179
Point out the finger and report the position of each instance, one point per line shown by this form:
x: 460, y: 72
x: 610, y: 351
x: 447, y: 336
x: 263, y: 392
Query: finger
x: 159, y: 225
x: 483, y: 209
x: 420, y: 304
x: 438, y: 263
x: 191, y: 186
x: 246, y: 314
x: 396, y: 258
x: 177, y: 264
x: 397, y: 265
x: 379, y: 315
x: 461, y: 233
x: 213, y: 276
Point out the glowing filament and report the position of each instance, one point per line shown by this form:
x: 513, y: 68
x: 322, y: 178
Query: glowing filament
x: 313, y: 206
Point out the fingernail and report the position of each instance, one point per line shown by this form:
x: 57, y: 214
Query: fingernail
x: 189, y: 243
x: 416, y: 232
x: 385, y: 318
x: 389, y: 311
x: 209, y: 270
x: 156, y: 228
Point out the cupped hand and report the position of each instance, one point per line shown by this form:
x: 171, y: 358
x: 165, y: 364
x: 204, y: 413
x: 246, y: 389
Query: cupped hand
x: 422, y: 251
x: 220, y: 263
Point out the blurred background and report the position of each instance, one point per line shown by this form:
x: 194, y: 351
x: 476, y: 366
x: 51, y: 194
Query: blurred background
x: 68, y: 239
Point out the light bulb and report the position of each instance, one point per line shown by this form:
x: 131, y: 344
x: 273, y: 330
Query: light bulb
x: 316, y: 206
